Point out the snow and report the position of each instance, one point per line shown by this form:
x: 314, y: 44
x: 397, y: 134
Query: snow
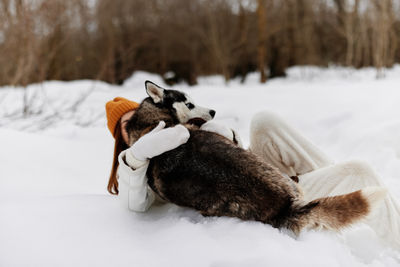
x: 55, y: 211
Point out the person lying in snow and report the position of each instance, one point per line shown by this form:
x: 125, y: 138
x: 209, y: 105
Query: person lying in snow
x: 270, y: 138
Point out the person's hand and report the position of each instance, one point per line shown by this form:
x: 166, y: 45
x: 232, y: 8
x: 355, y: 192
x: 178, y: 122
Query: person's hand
x: 158, y: 141
x: 220, y: 129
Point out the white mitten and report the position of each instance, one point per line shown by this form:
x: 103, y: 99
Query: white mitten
x: 158, y: 141
x: 220, y: 129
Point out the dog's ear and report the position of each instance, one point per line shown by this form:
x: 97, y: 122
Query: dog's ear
x: 154, y: 91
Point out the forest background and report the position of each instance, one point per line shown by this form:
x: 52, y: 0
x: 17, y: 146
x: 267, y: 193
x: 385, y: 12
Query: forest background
x: 181, y: 40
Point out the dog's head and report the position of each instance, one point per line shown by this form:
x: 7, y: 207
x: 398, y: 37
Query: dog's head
x: 171, y: 106
x: 179, y: 104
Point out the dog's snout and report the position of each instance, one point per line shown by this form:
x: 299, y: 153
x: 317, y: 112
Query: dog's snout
x: 212, y: 113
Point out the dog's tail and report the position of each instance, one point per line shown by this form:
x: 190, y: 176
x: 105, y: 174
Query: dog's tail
x: 335, y: 212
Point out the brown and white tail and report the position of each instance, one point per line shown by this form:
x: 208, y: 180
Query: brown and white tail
x: 335, y: 212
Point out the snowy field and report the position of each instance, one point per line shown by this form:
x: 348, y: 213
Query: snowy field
x: 54, y: 166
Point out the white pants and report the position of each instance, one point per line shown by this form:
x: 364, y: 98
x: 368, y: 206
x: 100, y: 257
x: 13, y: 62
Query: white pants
x: 284, y: 147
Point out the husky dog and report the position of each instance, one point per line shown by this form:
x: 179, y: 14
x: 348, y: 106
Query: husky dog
x: 218, y: 178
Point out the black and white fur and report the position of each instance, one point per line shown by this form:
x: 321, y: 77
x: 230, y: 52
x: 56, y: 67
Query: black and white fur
x: 181, y: 103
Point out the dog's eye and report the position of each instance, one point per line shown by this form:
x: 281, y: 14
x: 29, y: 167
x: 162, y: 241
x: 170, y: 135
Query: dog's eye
x: 189, y: 105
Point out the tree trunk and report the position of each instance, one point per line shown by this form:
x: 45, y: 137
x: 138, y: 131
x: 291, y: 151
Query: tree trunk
x: 262, y: 39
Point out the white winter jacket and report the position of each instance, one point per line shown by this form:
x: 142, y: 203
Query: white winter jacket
x: 134, y: 193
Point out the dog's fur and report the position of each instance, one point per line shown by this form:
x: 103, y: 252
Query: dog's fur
x: 216, y: 177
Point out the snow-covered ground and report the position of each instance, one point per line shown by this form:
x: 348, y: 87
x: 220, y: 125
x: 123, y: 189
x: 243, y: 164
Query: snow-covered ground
x: 55, y: 211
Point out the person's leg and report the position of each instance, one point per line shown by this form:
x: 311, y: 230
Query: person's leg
x: 348, y: 177
x: 283, y: 146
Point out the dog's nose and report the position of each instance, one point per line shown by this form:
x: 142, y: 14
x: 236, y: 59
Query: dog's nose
x: 212, y: 113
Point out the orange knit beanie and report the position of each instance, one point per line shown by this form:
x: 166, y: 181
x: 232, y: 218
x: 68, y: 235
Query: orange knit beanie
x: 115, y: 109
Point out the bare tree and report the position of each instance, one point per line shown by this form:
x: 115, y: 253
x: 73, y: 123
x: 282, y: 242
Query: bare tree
x: 348, y: 22
x: 262, y: 38
x: 382, y: 31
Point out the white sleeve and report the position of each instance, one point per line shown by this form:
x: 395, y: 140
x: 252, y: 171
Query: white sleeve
x: 221, y: 129
x: 134, y: 193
